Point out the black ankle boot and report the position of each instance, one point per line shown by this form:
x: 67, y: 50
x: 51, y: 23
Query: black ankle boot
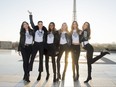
x: 39, y: 77
x: 88, y: 80
x: 27, y: 78
x: 47, y: 77
x: 54, y: 79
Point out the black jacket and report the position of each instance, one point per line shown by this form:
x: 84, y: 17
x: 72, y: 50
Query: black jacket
x: 85, y: 36
x: 22, y: 38
x: 35, y: 27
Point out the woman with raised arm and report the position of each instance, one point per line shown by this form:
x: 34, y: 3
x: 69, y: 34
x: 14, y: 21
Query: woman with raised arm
x: 64, y: 44
x: 40, y: 36
x: 25, y: 47
x: 75, y: 48
x: 89, y: 48
x: 52, y: 46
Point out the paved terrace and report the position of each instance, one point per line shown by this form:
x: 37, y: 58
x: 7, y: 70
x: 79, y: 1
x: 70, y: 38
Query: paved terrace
x: 11, y: 72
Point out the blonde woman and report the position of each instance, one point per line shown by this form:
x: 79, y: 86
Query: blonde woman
x: 64, y: 43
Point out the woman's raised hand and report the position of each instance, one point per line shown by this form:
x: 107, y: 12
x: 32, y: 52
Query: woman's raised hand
x: 30, y: 13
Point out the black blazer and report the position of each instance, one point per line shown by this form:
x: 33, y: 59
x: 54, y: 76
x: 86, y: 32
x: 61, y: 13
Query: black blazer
x: 55, y: 33
x: 35, y: 27
x: 22, y: 38
x: 56, y: 39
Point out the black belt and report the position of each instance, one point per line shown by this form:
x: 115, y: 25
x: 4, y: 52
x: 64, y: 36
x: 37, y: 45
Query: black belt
x: 28, y: 44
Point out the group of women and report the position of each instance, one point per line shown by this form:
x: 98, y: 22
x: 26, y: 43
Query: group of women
x: 53, y: 43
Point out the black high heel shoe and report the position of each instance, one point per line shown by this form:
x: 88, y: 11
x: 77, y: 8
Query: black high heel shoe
x: 54, y: 79
x: 104, y: 52
x: 47, y: 77
x: 39, y: 77
x: 88, y: 80
x: 59, y: 77
x: 63, y: 76
x: 75, y: 78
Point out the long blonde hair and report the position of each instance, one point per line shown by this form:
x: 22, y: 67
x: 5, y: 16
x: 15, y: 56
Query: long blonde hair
x: 61, y: 30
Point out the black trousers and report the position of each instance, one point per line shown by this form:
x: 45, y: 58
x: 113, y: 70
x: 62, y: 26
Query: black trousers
x: 50, y: 52
x: 63, y: 48
x: 75, y: 49
x: 90, y: 60
x: 26, y: 53
x: 37, y: 47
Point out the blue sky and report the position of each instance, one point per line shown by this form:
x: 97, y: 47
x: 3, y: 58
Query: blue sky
x: 100, y: 13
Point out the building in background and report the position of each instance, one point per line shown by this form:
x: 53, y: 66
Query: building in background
x: 5, y: 45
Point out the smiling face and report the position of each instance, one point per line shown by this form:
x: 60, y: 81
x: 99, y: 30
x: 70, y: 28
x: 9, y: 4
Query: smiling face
x: 25, y: 25
x: 85, y: 26
x: 74, y: 25
x: 51, y: 26
x: 64, y: 27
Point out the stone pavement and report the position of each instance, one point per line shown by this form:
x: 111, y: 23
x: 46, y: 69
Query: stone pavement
x: 11, y: 72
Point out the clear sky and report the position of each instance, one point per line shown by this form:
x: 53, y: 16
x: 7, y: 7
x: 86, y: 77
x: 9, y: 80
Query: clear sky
x: 100, y: 13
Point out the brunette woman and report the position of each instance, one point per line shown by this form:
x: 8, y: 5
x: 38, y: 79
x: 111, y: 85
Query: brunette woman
x: 75, y: 48
x: 52, y: 41
x: 89, y: 48
x: 40, y: 36
x: 64, y: 43
x: 25, y: 47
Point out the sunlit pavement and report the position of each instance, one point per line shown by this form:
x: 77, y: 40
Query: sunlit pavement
x: 11, y: 72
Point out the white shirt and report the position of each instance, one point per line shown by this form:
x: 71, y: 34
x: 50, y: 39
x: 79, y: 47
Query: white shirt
x: 63, y: 38
x: 85, y: 43
x: 28, y: 38
x: 50, y: 38
x: 75, y: 37
x: 39, y: 35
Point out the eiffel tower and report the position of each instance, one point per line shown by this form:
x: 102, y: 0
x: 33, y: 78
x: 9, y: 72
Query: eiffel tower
x: 74, y: 11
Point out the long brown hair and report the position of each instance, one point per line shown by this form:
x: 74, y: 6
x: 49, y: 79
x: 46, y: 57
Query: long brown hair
x: 54, y: 29
x: 88, y: 28
x: 22, y: 28
x: 72, y: 28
